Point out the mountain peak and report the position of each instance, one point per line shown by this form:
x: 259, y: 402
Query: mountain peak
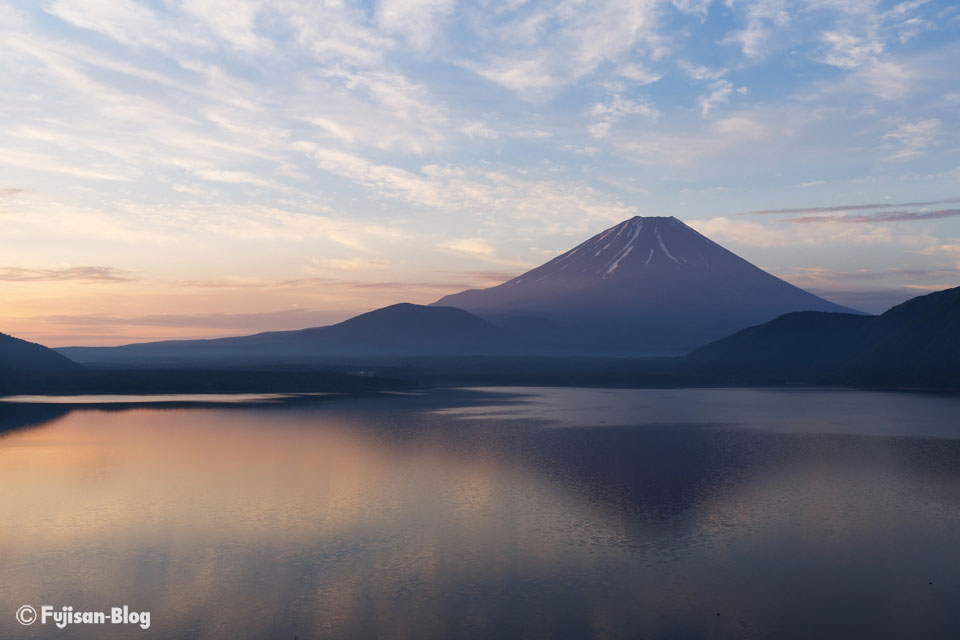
x: 639, y: 243
x: 647, y: 281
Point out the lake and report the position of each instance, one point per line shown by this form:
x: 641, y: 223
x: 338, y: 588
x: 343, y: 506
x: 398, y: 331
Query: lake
x: 487, y: 513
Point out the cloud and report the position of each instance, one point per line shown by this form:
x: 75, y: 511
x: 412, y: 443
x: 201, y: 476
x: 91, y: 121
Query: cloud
x: 551, y: 45
x: 460, y: 279
x: 474, y: 246
x: 941, y: 249
x: 387, y: 180
x: 258, y: 321
x: 530, y: 77
x: 481, y: 190
x: 754, y: 234
x: 606, y: 114
x: 885, y: 216
x: 721, y: 136
x: 911, y: 138
x: 348, y: 264
x: 127, y: 22
x: 950, y: 250
x: 855, y: 207
x: 741, y: 232
x: 416, y: 20
x: 337, y: 33
x: 849, y: 51
x: 477, y: 129
x: 701, y: 72
x: 235, y: 177
x: 762, y: 18
x: 47, y: 164
x: 720, y: 92
x: 640, y: 74
x: 79, y: 274
x: 231, y: 21
x: 10, y: 192
x: 376, y: 108
x: 886, y: 79
x: 486, y: 276
x: 874, y: 291
x: 827, y: 278
x: 337, y: 285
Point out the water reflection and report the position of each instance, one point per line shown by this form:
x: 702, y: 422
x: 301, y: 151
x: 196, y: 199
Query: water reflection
x: 160, y: 398
x: 399, y: 517
x: 22, y: 416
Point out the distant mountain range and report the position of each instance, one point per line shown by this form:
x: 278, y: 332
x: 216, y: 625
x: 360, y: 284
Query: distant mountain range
x: 397, y: 330
x: 916, y: 343
x: 913, y: 345
x: 645, y: 286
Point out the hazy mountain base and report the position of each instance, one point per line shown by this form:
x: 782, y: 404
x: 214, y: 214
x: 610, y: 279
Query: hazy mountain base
x: 151, y: 379
x: 650, y: 373
x: 364, y: 375
x: 400, y: 374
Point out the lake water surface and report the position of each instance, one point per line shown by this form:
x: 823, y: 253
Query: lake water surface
x: 497, y: 513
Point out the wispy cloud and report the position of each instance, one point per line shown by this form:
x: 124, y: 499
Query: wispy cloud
x: 754, y: 234
x: 701, y: 72
x: 761, y: 19
x: 720, y: 92
x: 854, y: 207
x: 948, y: 250
x: 330, y: 284
x: 349, y: 264
x: 495, y: 277
x: 474, y: 246
x: 910, y: 139
x: 80, y: 274
x: 289, y: 319
x: 606, y: 114
x: 869, y: 290
x: 884, y: 216
x: 822, y: 278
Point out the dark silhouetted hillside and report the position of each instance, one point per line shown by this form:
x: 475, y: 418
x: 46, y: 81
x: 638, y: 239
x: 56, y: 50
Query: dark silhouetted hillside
x: 19, y: 357
x: 915, y: 344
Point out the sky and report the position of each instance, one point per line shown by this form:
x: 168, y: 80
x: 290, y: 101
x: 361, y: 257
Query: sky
x: 200, y: 168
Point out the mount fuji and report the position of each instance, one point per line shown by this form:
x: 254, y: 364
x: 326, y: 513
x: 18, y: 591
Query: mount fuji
x: 648, y: 285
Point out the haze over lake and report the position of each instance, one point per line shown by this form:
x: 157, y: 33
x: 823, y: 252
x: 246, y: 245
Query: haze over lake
x: 537, y: 513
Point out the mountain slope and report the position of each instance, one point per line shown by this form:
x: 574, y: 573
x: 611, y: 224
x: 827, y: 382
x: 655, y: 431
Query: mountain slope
x: 400, y: 329
x: 916, y: 343
x: 799, y: 343
x: 645, y: 285
x: 19, y: 357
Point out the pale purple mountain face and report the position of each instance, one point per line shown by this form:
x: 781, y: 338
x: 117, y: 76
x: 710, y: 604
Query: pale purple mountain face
x: 648, y: 285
